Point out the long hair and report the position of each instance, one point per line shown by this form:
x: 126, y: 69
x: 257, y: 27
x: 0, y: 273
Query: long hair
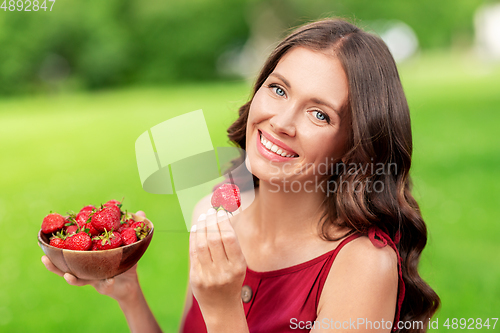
x: 380, y: 135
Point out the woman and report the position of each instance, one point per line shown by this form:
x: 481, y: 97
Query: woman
x: 333, y: 238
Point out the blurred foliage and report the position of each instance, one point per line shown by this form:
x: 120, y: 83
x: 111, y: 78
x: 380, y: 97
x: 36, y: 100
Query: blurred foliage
x: 94, y: 44
x: 106, y: 43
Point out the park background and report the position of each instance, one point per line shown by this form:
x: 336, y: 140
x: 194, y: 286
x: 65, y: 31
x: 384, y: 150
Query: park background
x: 80, y: 83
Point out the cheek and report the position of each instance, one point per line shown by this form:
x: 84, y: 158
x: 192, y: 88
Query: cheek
x: 261, y: 107
x: 334, y: 150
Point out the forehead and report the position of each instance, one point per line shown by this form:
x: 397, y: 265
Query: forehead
x: 315, y: 74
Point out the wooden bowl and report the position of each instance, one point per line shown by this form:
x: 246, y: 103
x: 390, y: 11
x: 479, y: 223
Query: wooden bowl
x: 97, y: 265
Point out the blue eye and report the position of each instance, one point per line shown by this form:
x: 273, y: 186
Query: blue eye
x: 320, y: 116
x: 279, y: 91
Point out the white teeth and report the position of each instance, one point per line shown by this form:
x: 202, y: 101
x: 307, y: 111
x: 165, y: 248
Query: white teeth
x: 274, y: 148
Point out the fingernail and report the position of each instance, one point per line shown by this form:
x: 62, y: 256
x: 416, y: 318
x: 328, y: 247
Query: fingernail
x: 211, y: 211
x: 193, y: 228
x: 66, y: 278
x: 202, y: 217
x: 221, y: 213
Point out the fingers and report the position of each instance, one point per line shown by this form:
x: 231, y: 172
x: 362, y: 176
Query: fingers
x: 74, y: 281
x: 214, y: 238
x: 50, y: 266
x: 70, y: 278
x: 202, y: 250
x: 140, y: 213
x: 193, y: 254
x: 230, y: 241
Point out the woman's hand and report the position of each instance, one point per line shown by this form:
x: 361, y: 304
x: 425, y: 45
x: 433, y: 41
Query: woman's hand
x: 217, y: 268
x: 122, y: 287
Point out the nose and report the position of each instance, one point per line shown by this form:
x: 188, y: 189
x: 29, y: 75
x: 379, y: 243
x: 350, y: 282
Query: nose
x: 283, y: 122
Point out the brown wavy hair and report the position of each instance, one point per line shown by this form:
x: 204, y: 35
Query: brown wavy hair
x: 380, y: 134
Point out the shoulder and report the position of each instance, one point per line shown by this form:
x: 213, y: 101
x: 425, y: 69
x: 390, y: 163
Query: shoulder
x: 363, y: 277
x: 361, y: 255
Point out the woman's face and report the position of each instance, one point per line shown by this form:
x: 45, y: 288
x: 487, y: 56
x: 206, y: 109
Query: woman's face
x: 294, y: 130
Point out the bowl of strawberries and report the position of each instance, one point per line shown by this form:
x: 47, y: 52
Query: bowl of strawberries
x: 97, y: 242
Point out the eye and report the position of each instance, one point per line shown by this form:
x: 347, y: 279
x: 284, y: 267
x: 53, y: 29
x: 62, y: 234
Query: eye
x: 277, y: 90
x: 321, y: 116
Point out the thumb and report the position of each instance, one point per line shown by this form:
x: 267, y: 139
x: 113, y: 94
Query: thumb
x: 140, y: 213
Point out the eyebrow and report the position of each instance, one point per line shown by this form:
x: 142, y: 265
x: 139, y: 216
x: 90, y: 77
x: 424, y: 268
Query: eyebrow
x: 282, y: 78
x: 314, y: 100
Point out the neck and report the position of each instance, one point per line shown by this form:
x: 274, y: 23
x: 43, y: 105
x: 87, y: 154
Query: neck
x: 281, y: 214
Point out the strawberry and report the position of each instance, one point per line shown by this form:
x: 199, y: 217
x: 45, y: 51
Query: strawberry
x: 125, y: 225
x: 226, y: 196
x: 126, y: 222
x: 89, y: 228
x: 113, y: 203
x: 138, y: 224
x: 94, y: 245
x: 84, y: 214
x: 129, y: 236
x: 71, y: 229
x: 52, y: 222
x: 57, y: 240
x: 141, y: 229
x: 80, y: 242
x: 108, y: 240
x: 116, y: 209
x: 106, y: 218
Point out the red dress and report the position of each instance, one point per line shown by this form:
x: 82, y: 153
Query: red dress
x: 278, y: 301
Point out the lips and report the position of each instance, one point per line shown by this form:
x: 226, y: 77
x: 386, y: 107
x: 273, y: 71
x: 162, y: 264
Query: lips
x: 274, y: 150
x: 278, y: 143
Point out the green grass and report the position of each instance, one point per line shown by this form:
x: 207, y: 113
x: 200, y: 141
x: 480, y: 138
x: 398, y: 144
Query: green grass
x: 64, y: 151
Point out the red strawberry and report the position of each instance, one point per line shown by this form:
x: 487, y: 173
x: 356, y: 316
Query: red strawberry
x: 116, y: 208
x: 57, y: 242
x: 84, y: 214
x: 138, y: 224
x: 106, y: 218
x: 71, y: 229
x: 226, y: 196
x: 89, y: 228
x: 113, y: 203
x: 141, y: 229
x: 80, y: 242
x: 129, y: 236
x: 108, y: 240
x: 52, y: 222
x: 125, y: 225
x: 94, y: 244
x: 126, y: 222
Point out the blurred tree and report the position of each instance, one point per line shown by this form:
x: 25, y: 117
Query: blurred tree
x: 118, y: 42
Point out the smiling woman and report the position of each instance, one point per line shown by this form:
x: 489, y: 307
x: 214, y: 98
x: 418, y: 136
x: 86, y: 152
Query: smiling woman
x: 333, y: 238
x: 309, y: 257
x: 298, y: 102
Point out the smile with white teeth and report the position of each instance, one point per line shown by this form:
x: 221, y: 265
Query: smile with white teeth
x: 274, y: 148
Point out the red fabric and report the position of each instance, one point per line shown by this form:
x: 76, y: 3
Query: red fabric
x: 291, y: 292
x: 383, y: 240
